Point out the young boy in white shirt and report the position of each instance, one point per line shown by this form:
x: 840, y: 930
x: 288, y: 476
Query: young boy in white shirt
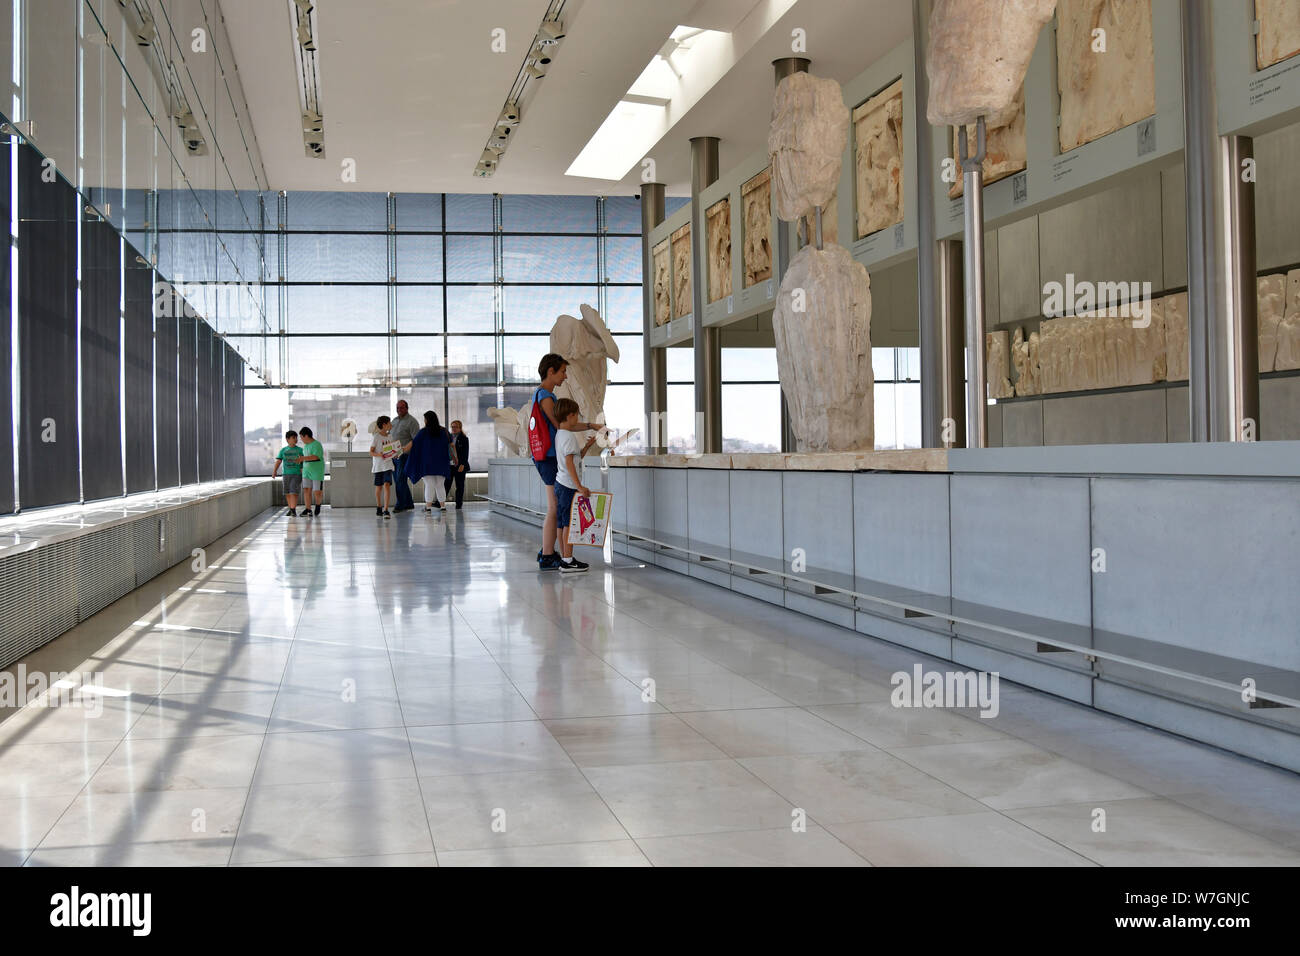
x: 381, y: 464
x: 568, y: 480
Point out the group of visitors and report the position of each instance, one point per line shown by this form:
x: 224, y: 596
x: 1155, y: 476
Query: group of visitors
x: 553, y: 443
x: 304, y: 472
x: 400, y: 451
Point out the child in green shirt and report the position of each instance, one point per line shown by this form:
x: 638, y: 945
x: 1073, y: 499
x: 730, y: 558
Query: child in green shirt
x: 291, y: 457
x: 313, y: 471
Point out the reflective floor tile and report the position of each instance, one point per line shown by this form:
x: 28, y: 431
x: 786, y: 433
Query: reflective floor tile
x: 858, y: 785
x: 632, y: 739
x: 608, y: 853
x: 462, y: 703
x: 1013, y: 773
x: 23, y: 822
x: 201, y: 715
x: 486, y: 748
x: 486, y: 811
x: 326, y: 756
x: 553, y: 699
x: 783, y: 847
x: 885, y: 725
x: 343, y: 818
x: 178, y: 763
x: 145, y: 828
x: 769, y: 732
x: 53, y: 769
x: 704, y: 796
x: 966, y: 839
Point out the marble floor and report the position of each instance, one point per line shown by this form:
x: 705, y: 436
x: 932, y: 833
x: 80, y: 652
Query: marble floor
x: 352, y: 691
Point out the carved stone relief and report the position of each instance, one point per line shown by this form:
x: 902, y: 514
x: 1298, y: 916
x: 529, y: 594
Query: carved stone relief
x: 681, y: 242
x: 878, y: 159
x: 718, y: 233
x: 1103, y: 91
x: 1279, y: 31
x: 1176, y: 358
x: 663, y: 282
x: 1288, y: 330
x: 756, y: 201
x: 1270, y: 308
x: 998, y: 349
x: 1024, y: 356
x: 1004, y: 146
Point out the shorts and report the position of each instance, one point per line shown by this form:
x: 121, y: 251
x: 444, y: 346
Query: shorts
x: 383, y: 478
x: 313, y: 484
x: 548, y: 469
x: 292, y: 484
x: 563, y: 501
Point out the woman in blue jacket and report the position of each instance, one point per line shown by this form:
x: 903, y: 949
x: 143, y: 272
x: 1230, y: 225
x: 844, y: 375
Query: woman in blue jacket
x: 432, y: 456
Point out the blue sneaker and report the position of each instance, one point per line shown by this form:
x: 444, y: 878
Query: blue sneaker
x: 548, y: 562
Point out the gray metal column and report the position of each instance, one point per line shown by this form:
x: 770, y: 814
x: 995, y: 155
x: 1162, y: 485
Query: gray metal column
x: 972, y: 165
x: 656, y: 362
x: 1200, y: 152
x: 1240, y: 337
x: 950, y: 376
x: 782, y: 68
x: 708, y: 348
x: 933, y: 345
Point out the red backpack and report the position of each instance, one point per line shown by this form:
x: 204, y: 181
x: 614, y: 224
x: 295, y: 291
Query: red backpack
x: 539, y: 430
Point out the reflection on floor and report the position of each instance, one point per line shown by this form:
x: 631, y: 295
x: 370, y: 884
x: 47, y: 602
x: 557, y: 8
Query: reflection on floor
x: 356, y: 691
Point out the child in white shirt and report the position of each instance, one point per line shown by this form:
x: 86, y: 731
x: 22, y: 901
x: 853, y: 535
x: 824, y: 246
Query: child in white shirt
x: 382, y: 452
x: 568, y: 480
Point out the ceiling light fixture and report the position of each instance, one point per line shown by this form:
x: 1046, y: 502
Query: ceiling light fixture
x: 541, y: 53
x: 302, y: 19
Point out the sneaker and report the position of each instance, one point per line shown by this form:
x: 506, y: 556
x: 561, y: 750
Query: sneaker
x: 317, y: 509
x: 548, y: 562
x: 291, y: 513
x: 379, y: 512
x: 387, y: 514
x: 572, y: 566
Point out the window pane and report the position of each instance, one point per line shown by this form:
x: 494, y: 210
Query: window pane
x: 749, y: 365
x: 419, y: 258
x: 548, y: 213
x: 420, y: 360
x: 419, y: 308
x: 470, y: 406
x: 337, y: 258
x: 884, y: 406
x: 624, y: 308
x: 471, y: 359
x: 882, y: 365
x: 265, y: 413
x: 470, y: 308
x: 680, y: 427
x: 325, y: 411
x: 337, y: 308
x: 623, y: 214
x: 337, y: 360
x: 535, y: 308
x: 469, y: 259
x: 549, y: 259
x: 469, y: 213
x: 630, y: 366
x: 681, y: 365
x: 522, y: 353
x: 751, y: 418
x: 419, y: 211
x: 338, y: 211
x: 622, y: 259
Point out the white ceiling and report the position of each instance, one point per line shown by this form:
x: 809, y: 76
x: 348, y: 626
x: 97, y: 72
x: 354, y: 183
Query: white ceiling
x: 411, y: 88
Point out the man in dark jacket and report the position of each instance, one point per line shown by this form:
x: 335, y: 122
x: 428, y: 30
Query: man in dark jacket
x: 458, y: 472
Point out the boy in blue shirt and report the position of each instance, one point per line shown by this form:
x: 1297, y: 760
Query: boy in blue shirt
x: 291, y: 457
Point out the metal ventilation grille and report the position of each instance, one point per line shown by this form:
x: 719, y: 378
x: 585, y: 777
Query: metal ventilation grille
x: 50, y: 590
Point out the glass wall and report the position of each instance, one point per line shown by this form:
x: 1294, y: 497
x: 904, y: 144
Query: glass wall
x: 444, y: 300
x: 129, y: 161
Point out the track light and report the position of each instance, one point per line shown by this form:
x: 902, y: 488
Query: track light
x: 552, y: 32
x: 535, y: 72
x: 541, y: 56
x: 305, y: 38
x: 509, y: 116
x: 313, y: 122
x: 304, y: 6
x: 492, y: 152
x: 500, y: 136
